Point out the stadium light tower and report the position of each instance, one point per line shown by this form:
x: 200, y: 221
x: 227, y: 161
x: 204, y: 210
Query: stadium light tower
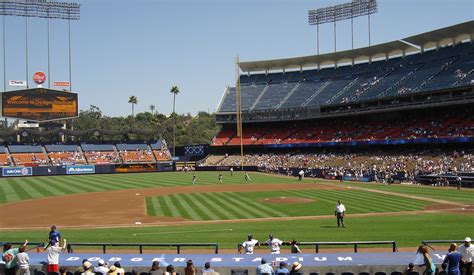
x: 39, y: 9
x: 341, y: 12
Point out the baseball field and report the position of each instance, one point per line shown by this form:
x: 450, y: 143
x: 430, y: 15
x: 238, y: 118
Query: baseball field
x: 167, y: 207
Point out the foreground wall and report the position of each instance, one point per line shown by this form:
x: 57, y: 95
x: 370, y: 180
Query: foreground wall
x: 224, y: 263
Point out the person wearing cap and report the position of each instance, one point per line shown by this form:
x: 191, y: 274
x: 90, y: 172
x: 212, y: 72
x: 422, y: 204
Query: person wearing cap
x: 23, y: 261
x: 87, y: 268
x: 54, y: 235
x: 274, y: 244
x: 467, y: 252
x: 296, y: 268
x: 119, y: 268
x: 249, y: 245
x: 264, y: 268
x: 451, y: 261
x: 53, y: 252
x: 282, y: 269
x: 101, y: 267
x: 340, y: 213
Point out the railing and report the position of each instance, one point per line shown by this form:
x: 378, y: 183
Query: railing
x: 141, y: 245
x: 427, y: 242
x: 355, y: 244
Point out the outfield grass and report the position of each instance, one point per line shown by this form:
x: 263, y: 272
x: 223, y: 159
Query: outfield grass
x: 235, y: 205
x: 407, y: 230
x: 465, y: 195
x: 16, y: 189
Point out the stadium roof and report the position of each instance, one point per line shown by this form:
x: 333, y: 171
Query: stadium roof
x: 416, y: 43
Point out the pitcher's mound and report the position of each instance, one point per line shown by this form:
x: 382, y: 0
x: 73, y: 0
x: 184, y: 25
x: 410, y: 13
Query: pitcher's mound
x: 287, y: 200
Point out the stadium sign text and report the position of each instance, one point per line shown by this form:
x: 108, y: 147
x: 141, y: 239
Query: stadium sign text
x: 80, y: 169
x: 17, y: 82
x: 17, y: 172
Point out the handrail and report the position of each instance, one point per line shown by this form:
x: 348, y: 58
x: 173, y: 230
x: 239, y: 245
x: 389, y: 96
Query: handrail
x: 355, y: 244
x: 141, y: 245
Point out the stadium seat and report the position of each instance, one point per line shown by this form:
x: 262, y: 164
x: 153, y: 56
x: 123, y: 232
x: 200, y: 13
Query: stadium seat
x: 396, y: 273
x: 380, y: 273
x: 347, y: 273
x: 314, y: 273
x: 413, y: 273
x: 330, y: 273
x: 364, y: 273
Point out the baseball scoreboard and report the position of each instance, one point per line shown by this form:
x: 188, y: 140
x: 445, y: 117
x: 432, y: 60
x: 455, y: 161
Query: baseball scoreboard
x: 39, y: 104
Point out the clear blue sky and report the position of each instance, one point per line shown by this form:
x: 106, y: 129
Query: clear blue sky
x: 143, y: 47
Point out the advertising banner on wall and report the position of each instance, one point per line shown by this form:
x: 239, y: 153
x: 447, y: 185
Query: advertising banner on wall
x: 17, y: 171
x: 80, y: 169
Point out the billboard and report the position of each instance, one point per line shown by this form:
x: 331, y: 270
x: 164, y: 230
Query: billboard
x: 17, y: 172
x: 39, y: 104
x: 80, y: 169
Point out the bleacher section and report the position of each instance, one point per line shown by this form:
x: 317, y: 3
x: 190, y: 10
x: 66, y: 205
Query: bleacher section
x: 135, y: 153
x: 61, y: 154
x: 160, y: 151
x: 4, y: 158
x: 441, y: 124
x: 28, y: 155
x: 443, y: 68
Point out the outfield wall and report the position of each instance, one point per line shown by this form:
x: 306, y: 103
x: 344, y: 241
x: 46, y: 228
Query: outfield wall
x: 85, y: 169
x: 224, y: 263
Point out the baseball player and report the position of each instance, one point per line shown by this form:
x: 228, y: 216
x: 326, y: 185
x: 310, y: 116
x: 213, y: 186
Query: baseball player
x: 248, y: 245
x: 194, y: 178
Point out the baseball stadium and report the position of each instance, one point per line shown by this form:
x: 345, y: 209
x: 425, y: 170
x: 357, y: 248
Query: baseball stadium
x: 351, y: 161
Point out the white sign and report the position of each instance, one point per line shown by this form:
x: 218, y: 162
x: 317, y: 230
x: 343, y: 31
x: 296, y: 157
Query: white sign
x: 17, y: 82
x: 28, y: 125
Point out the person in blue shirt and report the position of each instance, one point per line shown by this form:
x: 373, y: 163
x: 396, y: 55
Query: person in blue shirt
x: 54, y: 236
x: 264, y: 268
x: 451, y: 261
x: 282, y: 269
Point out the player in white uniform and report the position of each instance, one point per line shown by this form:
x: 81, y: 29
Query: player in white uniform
x: 249, y: 245
x: 274, y: 244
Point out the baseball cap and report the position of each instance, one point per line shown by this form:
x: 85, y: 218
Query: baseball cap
x: 467, y: 240
x: 87, y: 265
x: 101, y: 262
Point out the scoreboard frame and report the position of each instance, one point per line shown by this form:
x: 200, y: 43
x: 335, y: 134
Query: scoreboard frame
x: 39, y: 104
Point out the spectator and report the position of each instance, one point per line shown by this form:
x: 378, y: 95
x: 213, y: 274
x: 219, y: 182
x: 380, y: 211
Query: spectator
x: 63, y: 270
x: 87, y: 268
x: 80, y: 268
x: 53, y: 252
x: 23, y: 261
x: 264, y: 268
x: 296, y: 268
x: 467, y: 252
x: 101, y: 267
x: 113, y: 270
x: 119, y: 268
x: 294, y: 247
x: 189, y: 269
x: 207, y: 268
x: 410, y: 269
x: 452, y: 259
x: 427, y: 261
x: 170, y: 270
x: 8, y: 257
x: 155, y: 268
x: 282, y: 269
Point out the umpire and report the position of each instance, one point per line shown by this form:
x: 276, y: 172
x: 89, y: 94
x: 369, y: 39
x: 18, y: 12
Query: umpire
x: 339, y: 213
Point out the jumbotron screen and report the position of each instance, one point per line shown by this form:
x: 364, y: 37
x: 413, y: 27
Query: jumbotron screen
x: 39, y: 104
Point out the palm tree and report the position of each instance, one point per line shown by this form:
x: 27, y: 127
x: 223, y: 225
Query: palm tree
x: 152, y: 109
x: 174, y: 90
x: 133, y: 100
